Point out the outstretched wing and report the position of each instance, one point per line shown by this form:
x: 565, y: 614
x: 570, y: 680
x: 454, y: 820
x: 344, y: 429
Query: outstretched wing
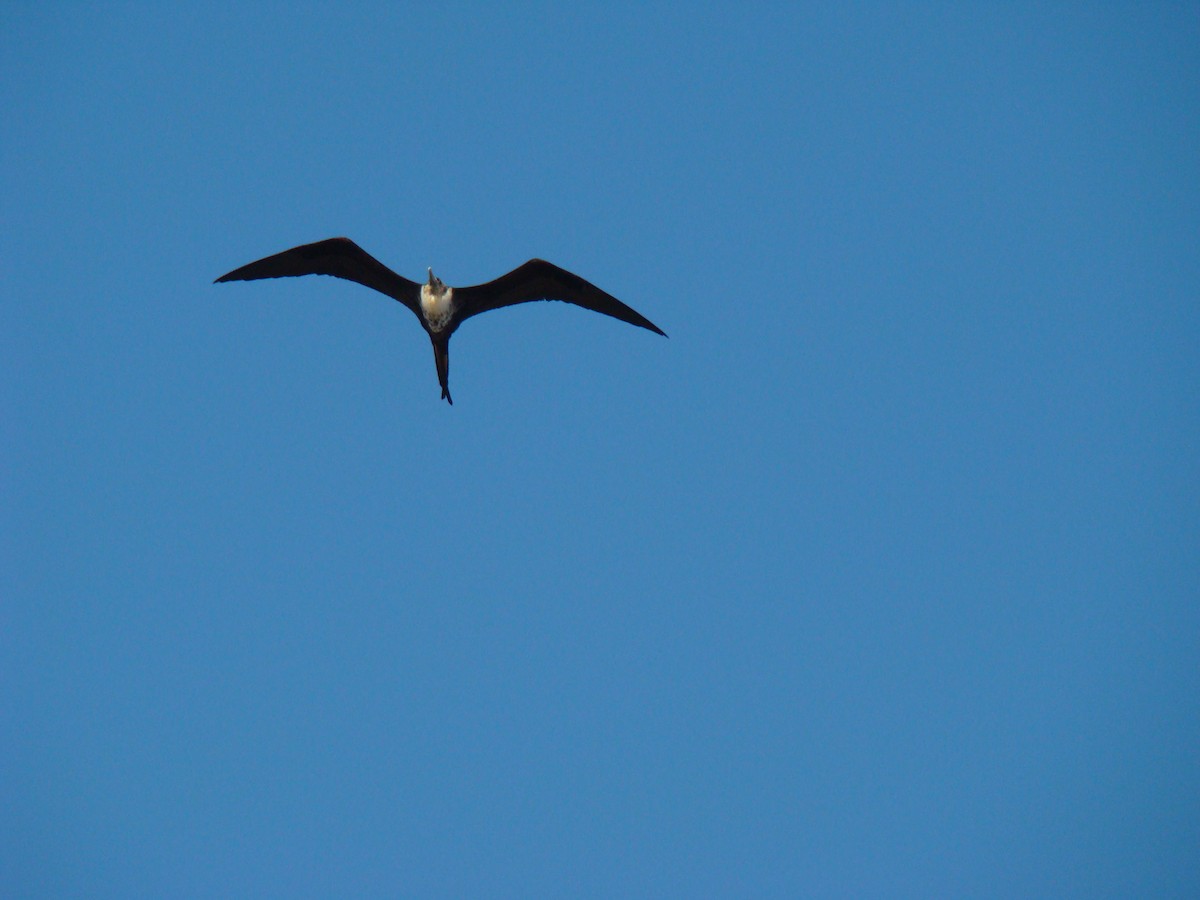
x: 339, y: 257
x: 540, y: 280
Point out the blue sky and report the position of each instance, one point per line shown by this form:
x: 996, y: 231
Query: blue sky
x: 878, y: 578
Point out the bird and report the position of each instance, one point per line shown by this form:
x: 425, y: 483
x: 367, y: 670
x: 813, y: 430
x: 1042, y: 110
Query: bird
x: 439, y: 307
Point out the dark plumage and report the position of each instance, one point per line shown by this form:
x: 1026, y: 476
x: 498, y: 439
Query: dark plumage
x: 440, y: 309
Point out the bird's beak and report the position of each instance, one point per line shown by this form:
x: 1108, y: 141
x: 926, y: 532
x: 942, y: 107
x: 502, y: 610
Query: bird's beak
x: 431, y: 276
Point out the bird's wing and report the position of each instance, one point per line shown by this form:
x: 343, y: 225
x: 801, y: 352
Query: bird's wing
x: 340, y: 257
x: 540, y: 280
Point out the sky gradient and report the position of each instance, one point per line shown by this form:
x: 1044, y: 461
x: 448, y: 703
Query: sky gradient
x: 877, y: 578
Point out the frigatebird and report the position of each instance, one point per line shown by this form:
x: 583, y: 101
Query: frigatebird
x: 440, y: 308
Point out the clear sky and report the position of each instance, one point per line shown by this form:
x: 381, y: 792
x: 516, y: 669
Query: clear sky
x: 879, y: 577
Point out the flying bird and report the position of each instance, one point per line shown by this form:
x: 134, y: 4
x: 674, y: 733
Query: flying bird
x: 439, y: 307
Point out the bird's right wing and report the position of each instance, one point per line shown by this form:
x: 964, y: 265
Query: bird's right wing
x: 339, y: 257
x: 540, y: 280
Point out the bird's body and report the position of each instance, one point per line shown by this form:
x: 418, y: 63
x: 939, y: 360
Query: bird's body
x: 437, y: 305
x: 440, y: 308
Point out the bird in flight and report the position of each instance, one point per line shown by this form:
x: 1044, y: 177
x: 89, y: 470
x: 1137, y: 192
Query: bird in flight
x: 440, y: 308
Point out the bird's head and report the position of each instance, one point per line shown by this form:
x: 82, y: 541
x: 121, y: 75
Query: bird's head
x: 435, y: 283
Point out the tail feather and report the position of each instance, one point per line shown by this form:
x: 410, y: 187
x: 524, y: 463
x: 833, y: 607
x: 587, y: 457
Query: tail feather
x: 441, y: 355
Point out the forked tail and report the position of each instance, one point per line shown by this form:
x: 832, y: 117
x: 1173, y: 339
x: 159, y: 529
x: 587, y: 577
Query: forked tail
x: 441, y: 355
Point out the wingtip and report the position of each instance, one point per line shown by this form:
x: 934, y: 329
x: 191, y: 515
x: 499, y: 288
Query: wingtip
x: 650, y: 326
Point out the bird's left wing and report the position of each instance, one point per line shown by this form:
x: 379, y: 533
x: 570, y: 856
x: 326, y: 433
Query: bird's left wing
x: 540, y: 280
x: 339, y: 257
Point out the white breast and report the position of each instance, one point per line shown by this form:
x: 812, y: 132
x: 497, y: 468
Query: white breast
x: 438, y: 306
